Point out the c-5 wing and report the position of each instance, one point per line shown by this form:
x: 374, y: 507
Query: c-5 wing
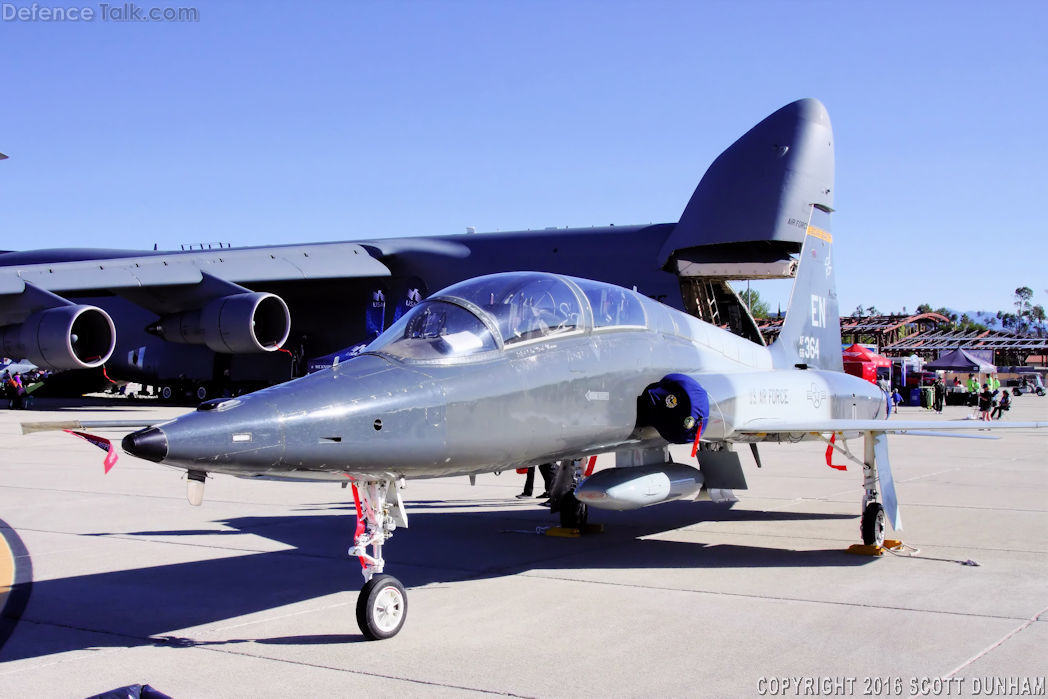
x: 201, y: 297
x: 240, y: 266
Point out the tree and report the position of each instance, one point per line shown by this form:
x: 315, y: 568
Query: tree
x: 872, y: 310
x: 752, y: 299
x: 1037, y: 315
x: 924, y: 308
x: 1022, y: 302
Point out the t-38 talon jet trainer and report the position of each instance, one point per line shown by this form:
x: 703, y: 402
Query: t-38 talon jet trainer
x: 521, y: 368
x: 215, y: 320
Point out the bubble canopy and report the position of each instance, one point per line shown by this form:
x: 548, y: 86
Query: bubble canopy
x: 485, y: 314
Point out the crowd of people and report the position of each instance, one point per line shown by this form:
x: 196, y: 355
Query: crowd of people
x: 987, y: 396
x: 16, y: 388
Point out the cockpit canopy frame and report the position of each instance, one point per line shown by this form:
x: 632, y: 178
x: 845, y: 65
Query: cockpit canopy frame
x: 475, y: 318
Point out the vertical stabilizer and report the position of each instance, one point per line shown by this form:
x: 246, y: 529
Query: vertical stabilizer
x: 761, y: 187
x: 811, y: 332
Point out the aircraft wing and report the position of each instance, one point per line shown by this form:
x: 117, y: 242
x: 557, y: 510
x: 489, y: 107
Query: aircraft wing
x: 917, y: 427
x: 200, y: 297
x: 876, y: 430
x: 239, y: 265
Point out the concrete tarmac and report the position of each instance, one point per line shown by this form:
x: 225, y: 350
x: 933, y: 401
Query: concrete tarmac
x: 117, y: 580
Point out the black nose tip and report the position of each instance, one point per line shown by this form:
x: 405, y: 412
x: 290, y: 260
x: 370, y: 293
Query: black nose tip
x: 150, y: 443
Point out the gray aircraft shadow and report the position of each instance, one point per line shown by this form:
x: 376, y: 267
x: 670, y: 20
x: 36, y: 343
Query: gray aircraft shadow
x: 143, y: 606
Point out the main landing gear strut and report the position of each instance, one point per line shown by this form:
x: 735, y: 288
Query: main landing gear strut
x: 873, y: 520
x: 382, y: 605
x: 877, y: 483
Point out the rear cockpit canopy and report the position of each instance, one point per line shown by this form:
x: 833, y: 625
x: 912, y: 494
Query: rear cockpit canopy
x: 482, y: 315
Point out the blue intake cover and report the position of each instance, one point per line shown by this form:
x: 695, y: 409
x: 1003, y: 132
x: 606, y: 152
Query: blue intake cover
x: 676, y: 407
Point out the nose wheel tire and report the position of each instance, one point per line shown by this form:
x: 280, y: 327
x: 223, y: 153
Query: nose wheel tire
x: 873, y: 524
x: 382, y: 607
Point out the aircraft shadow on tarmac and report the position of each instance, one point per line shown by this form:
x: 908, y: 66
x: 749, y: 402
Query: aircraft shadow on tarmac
x: 146, y: 606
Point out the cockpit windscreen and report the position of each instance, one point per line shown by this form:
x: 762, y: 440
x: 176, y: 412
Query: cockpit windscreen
x: 525, y: 306
x: 435, y: 330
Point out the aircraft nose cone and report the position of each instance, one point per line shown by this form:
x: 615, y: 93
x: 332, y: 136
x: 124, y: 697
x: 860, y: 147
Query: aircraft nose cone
x: 149, y: 444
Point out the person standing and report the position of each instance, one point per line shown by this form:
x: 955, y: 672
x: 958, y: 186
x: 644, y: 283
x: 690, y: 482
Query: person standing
x: 546, y: 471
x: 940, y: 394
x: 973, y: 389
x: 985, y: 402
x: 1005, y: 404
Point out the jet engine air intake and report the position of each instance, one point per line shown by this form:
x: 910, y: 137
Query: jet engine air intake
x: 235, y: 324
x: 64, y: 337
x: 677, y: 407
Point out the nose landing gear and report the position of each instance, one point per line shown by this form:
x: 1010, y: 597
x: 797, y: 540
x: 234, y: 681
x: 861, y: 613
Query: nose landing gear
x: 382, y: 604
x: 382, y: 607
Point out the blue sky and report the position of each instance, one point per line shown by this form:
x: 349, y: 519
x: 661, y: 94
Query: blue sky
x: 272, y: 122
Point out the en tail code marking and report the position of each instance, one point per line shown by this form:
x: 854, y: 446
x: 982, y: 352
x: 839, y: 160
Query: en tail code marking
x: 818, y: 311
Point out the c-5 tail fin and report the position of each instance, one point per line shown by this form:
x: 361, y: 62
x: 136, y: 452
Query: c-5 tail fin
x: 811, y: 332
x: 761, y: 187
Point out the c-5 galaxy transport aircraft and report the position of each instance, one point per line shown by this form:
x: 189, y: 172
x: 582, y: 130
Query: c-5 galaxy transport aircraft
x: 208, y: 318
x: 521, y: 368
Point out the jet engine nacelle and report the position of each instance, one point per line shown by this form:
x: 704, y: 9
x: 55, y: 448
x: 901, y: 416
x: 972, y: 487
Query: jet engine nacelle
x: 240, y: 323
x: 63, y: 337
x: 634, y: 487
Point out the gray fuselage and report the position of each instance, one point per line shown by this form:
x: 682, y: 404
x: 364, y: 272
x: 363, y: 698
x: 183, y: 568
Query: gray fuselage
x: 436, y: 401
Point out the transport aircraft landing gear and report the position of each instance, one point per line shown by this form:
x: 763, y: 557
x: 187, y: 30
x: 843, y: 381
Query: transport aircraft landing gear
x: 382, y: 605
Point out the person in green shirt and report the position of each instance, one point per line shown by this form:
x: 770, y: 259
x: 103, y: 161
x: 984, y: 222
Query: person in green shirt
x: 973, y: 390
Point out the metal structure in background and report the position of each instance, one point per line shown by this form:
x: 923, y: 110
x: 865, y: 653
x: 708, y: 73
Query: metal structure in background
x: 899, y: 335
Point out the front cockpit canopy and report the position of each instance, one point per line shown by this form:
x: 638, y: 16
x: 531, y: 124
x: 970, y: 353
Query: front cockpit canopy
x: 435, y: 329
x: 523, y: 306
x: 500, y: 310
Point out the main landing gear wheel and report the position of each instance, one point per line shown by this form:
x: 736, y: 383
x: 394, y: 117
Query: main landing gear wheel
x: 382, y: 607
x: 573, y: 514
x: 873, y: 524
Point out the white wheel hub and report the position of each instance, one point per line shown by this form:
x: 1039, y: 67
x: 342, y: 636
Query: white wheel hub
x: 388, y: 608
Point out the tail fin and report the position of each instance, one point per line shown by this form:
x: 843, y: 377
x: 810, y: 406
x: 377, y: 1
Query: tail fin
x: 811, y: 332
x: 762, y: 186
